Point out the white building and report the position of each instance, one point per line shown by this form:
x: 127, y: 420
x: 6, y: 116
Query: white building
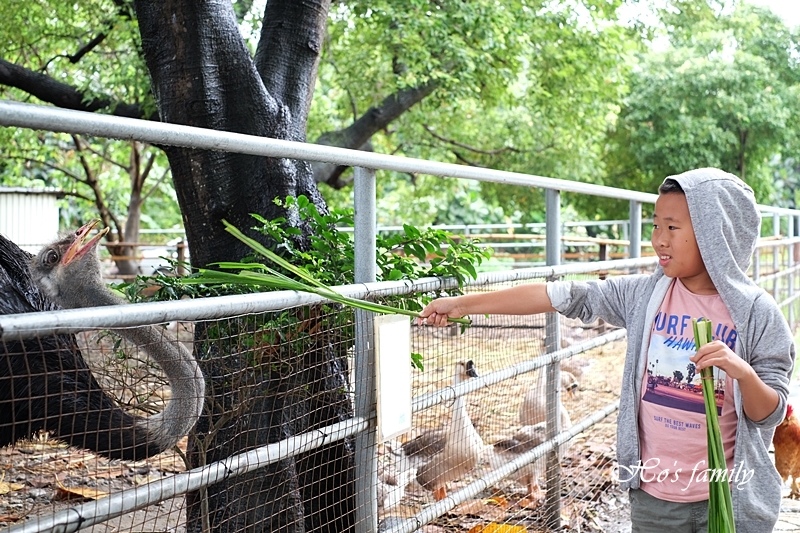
x: 29, y: 217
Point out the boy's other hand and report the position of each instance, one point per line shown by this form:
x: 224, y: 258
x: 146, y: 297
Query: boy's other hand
x: 718, y: 354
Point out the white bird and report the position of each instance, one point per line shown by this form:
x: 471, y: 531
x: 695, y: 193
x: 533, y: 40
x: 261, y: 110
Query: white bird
x: 533, y: 409
x: 395, y: 472
x: 450, y: 453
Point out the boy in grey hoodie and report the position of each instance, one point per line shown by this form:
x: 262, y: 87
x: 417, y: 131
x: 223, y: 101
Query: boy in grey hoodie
x: 706, y: 224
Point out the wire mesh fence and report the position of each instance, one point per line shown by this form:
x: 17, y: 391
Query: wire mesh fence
x: 273, y: 377
x: 280, y: 443
x: 274, y: 449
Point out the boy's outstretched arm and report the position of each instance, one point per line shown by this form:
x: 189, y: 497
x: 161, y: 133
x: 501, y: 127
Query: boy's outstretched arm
x: 525, y: 299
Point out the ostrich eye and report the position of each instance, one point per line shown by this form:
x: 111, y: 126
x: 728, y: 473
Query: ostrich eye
x: 50, y: 257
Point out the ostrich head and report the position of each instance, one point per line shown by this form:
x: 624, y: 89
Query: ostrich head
x: 67, y: 269
x: 68, y: 272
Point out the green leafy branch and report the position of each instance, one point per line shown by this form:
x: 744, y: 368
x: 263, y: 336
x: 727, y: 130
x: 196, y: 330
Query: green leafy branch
x: 259, y: 274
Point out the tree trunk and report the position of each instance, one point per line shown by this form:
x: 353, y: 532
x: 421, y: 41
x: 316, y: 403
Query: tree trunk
x: 203, y: 75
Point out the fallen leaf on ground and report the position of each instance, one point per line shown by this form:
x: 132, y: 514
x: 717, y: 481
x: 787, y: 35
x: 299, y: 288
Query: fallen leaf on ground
x: 87, y: 493
x: 6, y: 487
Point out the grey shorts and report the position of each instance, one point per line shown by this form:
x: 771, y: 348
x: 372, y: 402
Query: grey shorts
x: 652, y: 515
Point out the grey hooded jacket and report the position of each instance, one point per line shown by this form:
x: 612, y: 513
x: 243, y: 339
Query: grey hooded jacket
x: 726, y: 224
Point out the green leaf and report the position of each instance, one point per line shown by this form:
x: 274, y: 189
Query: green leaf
x: 720, y: 508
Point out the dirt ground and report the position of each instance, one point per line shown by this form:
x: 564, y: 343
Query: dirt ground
x: 43, y: 475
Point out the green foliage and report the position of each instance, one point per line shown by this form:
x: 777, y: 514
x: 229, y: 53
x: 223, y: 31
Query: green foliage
x: 91, y: 171
x: 92, y: 47
x: 521, y: 86
x: 408, y: 255
x: 724, y: 95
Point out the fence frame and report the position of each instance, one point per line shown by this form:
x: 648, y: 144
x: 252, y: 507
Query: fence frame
x: 13, y: 114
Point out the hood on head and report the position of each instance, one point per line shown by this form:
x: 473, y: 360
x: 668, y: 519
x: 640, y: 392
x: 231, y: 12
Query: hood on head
x: 727, y: 225
x: 724, y: 216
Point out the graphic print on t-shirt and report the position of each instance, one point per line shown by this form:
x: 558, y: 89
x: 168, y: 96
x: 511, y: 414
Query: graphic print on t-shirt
x: 672, y: 379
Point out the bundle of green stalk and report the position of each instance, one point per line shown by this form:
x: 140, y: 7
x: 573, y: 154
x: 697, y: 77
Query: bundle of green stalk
x: 261, y: 275
x: 720, y: 505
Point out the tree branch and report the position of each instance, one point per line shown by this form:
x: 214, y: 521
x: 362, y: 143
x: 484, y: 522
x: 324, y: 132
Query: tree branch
x: 46, y: 164
x: 105, y: 157
x: 88, y: 47
x: 468, y: 147
x: 60, y: 94
x: 158, y: 182
x: 356, y: 135
x: 288, y: 53
x: 91, y: 180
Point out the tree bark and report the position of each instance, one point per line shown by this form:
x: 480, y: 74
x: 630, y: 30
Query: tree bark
x: 203, y: 75
x: 356, y: 136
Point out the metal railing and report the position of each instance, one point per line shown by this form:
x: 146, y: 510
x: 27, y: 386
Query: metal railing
x: 783, y: 275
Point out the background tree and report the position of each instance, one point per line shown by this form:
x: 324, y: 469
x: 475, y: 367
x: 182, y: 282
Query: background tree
x: 85, y: 59
x: 100, y: 178
x: 523, y: 86
x: 724, y: 93
x: 508, y: 58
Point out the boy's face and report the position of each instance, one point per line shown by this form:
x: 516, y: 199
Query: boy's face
x: 676, y: 246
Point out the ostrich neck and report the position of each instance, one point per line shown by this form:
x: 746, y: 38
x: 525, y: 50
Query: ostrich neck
x: 180, y: 367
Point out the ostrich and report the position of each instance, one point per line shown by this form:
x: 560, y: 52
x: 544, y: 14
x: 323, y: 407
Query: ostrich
x: 45, y: 383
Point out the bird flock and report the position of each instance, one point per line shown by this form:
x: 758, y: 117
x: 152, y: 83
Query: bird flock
x: 436, y: 457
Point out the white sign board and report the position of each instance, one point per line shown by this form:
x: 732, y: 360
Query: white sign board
x: 393, y: 375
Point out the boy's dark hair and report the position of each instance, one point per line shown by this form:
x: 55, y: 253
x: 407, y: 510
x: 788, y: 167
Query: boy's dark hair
x: 670, y: 185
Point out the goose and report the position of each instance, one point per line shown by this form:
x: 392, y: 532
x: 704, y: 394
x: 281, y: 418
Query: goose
x: 452, y: 452
x: 524, y: 440
x: 533, y: 409
x: 395, y: 472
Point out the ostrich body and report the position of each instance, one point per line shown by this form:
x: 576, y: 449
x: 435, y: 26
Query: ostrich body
x: 45, y: 383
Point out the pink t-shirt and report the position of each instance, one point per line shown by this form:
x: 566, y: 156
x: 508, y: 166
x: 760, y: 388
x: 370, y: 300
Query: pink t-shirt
x: 672, y: 420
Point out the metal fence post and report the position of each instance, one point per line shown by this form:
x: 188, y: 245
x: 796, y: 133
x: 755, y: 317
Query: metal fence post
x: 635, y: 246
x: 790, y: 257
x: 776, y: 232
x: 553, y: 370
x: 366, y: 460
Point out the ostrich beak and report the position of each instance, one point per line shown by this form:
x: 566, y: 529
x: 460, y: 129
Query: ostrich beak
x: 78, y: 248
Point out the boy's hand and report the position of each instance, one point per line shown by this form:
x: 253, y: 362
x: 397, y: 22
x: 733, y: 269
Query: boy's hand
x: 758, y: 399
x: 718, y: 354
x: 438, y: 311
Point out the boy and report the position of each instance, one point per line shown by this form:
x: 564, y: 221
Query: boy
x: 706, y: 224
